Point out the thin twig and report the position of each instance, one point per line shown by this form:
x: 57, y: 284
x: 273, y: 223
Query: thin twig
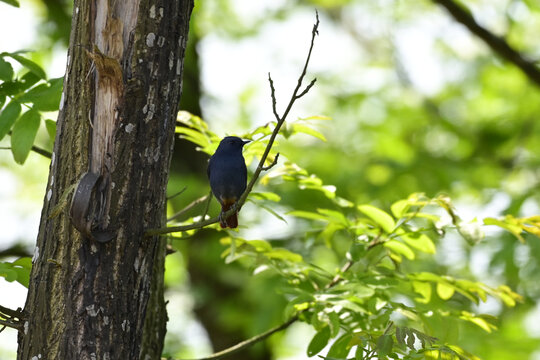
x: 11, y: 324
x: 42, y: 152
x: 297, y: 94
x: 178, y: 193
x: 38, y: 150
x: 245, y: 344
x: 207, y: 205
x: 496, y: 43
x: 274, y: 162
x: 11, y: 313
x: 338, y: 276
x: 11, y: 318
x: 188, y: 207
x: 293, y: 99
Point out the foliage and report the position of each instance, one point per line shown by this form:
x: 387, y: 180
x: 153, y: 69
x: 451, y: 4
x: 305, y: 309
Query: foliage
x: 32, y: 91
x: 18, y: 270
x: 381, y: 303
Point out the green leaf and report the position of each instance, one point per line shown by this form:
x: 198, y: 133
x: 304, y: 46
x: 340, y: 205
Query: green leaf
x: 194, y: 136
x: 271, y: 211
x: 307, y: 215
x: 28, y: 80
x: 283, y: 254
x: 356, y: 252
x: 343, y: 202
x: 399, y: 208
x: 481, y: 321
x: 23, y: 135
x: 384, y: 345
x: 51, y: 128
x: 359, y: 355
x: 513, y: 228
x: 400, y: 335
x: 424, y: 289
x: 328, y: 233
x: 319, y: 341
x: 45, y: 97
x: 340, y: 348
x: 19, y: 270
x: 9, y: 274
x: 334, y: 216
x: 333, y: 317
x: 315, y: 117
x: 508, y: 296
x: 30, y: 65
x: 298, y: 128
x: 399, y: 248
x: 259, y: 245
x: 382, y: 218
x: 266, y: 196
x: 445, y: 290
x: 6, y: 70
x: 410, y: 339
x: 8, y: 117
x: 23, y: 276
x: 25, y: 262
x: 11, y: 2
x: 420, y: 242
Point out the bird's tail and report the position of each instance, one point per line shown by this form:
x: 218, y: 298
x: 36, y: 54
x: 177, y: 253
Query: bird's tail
x: 231, y: 221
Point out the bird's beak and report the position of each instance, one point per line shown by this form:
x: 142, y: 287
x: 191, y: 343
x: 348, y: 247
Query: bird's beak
x: 246, y: 141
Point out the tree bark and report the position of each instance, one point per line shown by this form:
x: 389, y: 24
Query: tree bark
x: 97, y: 292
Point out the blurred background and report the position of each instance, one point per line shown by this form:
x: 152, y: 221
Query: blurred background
x: 417, y: 104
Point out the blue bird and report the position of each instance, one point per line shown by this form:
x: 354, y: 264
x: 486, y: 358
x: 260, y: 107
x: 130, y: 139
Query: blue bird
x: 228, y: 177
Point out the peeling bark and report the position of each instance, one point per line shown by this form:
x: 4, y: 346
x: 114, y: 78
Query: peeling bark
x: 92, y: 300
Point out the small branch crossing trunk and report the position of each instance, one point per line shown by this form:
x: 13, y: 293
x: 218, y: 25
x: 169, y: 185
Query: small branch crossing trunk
x: 96, y: 287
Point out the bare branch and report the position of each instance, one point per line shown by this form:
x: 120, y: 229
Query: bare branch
x: 11, y: 324
x: 260, y: 167
x: 197, y: 225
x: 18, y: 314
x: 306, y: 89
x: 274, y: 162
x: 251, y: 341
x: 496, y: 43
x: 207, y: 205
x: 11, y: 318
x: 338, y: 276
x: 178, y: 193
x: 188, y: 207
x: 273, y: 96
x: 38, y: 150
x: 282, y: 119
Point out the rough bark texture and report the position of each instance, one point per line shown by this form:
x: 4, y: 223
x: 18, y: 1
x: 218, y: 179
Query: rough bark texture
x: 91, y: 300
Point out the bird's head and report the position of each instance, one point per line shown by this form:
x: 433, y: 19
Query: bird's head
x: 232, y: 143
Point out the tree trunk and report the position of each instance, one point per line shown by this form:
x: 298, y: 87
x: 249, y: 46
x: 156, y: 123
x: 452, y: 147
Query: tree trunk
x: 97, y: 292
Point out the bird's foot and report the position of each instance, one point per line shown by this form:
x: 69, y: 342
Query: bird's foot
x: 222, y: 219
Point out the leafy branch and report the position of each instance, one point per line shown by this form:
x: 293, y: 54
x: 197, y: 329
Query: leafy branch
x: 297, y: 94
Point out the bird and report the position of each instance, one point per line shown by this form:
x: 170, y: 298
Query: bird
x: 227, y: 174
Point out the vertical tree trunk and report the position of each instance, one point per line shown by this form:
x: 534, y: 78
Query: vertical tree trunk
x: 96, y: 292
